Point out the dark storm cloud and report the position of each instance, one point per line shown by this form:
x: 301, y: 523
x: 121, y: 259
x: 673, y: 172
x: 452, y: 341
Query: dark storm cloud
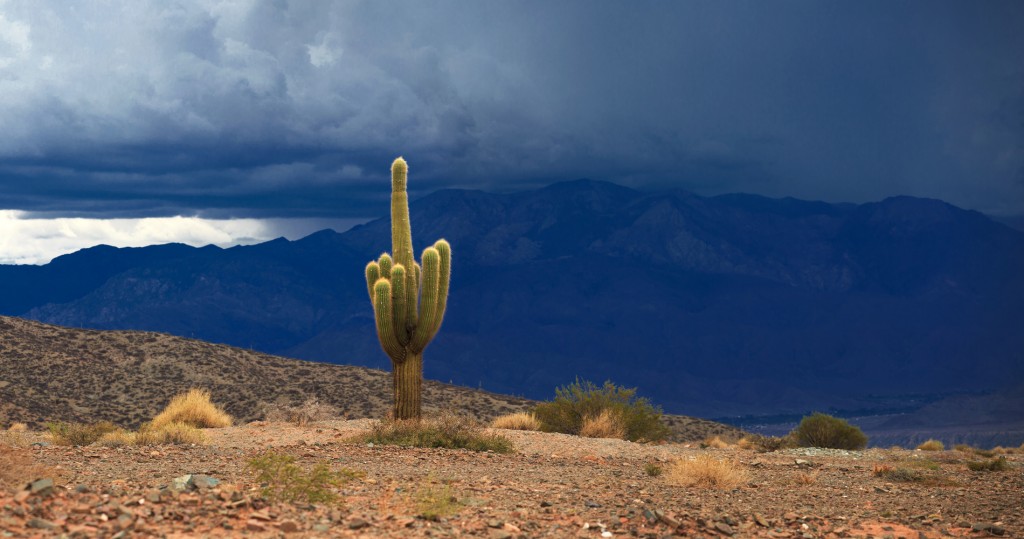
x: 289, y: 108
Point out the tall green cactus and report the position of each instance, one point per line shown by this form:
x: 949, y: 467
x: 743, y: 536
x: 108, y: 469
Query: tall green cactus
x: 408, y: 301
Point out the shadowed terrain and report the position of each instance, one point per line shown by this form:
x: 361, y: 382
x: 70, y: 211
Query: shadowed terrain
x: 51, y: 373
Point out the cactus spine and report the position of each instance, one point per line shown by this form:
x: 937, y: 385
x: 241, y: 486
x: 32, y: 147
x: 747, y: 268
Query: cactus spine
x: 409, y: 300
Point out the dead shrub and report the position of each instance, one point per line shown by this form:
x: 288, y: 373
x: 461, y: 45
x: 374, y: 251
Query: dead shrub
x: 932, y: 445
x: 606, y: 424
x: 516, y: 421
x: 705, y: 471
x: 806, y: 478
x: 310, y: 411
x: 192, y: 408
x: 714, y: 442
x: 77, y: 434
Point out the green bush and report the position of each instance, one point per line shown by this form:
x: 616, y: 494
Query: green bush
x: 285, y: 481
x: 574, y: 403
x: 78, y: 433
x: 823, y: 430
x: 994, y: 465
x: 447, y: 429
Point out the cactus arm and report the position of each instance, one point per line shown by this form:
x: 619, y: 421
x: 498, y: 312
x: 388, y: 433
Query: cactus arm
x: 385, y: 264
x: 428, y: 305
x: 445, y: 274
x: 372, y: 274
x: 383, y: 314
x: 399, y: 297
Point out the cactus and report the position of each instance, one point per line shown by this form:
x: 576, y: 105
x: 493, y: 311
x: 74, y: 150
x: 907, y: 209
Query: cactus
x: 408, y: 299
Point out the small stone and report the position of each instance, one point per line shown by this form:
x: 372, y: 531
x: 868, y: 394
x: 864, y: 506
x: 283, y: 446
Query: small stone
x: 500, y: 534
x: 255, y: 526
x: 40, y: 524
x: 760, y: 520
x: 495, y: 523
x: 592, y: 505
x: 321, y: 527
x: 41, y: 487
x: 81, y: 489
x: 181, y: 484
x: 724, y: 528
x: 152, y: 496
x: 288, y: 526
x: 357, y: 524
x: 545, y: 504
x: 203, y: 482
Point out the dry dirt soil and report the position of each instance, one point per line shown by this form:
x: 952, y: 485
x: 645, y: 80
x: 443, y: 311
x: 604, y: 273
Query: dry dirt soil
x: 552, y: 486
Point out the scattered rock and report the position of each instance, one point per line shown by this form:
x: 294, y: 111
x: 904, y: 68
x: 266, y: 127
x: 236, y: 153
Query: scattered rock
x: 724, y: 528
x: 41, y: 487
x: 41, y: 524
x: 181, y: 484
x: 288, y: 526
x: 203, y: 482
x: 357, y: 524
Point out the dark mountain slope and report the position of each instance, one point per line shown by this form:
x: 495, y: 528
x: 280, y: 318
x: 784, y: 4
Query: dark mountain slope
x: 734, y: 304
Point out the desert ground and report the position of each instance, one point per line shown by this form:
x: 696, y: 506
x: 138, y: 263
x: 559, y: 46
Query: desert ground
x: 552, y: 485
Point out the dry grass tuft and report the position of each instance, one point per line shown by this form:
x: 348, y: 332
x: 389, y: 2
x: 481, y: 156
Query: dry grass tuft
x: 310, y: 411
x: 714, y: 442
x: 117, y: 438
x: 516, y: 421
x: 14, y: 436
x: 607, y: 424
x: 932, y: 445
x: 193, y: 408
x: 705, y: 471
x: 806, y: 478
x: 170, y: 434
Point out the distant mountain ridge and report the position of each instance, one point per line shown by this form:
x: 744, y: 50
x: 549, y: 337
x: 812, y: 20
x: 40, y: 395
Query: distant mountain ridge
x: 713, y: 306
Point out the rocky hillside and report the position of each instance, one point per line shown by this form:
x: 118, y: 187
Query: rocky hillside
x: 51, y: 373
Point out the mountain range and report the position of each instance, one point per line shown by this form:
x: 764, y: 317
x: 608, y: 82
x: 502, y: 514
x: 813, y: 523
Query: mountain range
x: 733, y: 305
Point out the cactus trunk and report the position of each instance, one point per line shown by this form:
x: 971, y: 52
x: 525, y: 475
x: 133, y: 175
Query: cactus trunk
x: 409, y: 299
x: 407, y: 383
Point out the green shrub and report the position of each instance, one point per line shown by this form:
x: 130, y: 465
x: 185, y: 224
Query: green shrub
x: 823, y: 430
x: 436, y: 503
x: 574, y: 403
x: 78, y: 433
x: 285, y: 481
x: 653, y: 469
x: 448, y: 430
x: 994, y: 465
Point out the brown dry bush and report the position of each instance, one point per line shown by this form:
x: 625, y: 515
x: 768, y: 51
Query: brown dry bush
x: 705, y: 471
x: 310, y: 411
x: 516, y: 421
x: 931, y: 445
x: 606, y: 424
x: 76, y: 434
x: 714, y: 442
x: 192, y: 408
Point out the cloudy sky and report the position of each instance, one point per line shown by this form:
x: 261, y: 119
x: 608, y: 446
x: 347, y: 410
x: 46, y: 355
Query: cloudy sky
x: 131, y: 122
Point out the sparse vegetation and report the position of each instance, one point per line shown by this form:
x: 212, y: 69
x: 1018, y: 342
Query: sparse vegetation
x: 283, y: 480
x: 435, y: 502
x: 171, y: 433
x: 653, y: 470
x: 583, y: 399
x: 766, y: 444
x: 889, y: 473
x: 14, y: 436
x: 76, y: 434
x: 192, y: 408
x: 932, y: 445
x: 447, y: 429
x: 714, y: 442
x: 705, y: 471
x: 823, y: 430
x: 516, y: 421
x: 992, y: 465
x: 310, y: 411
x: 607, y: 424
x: 806, y: 478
